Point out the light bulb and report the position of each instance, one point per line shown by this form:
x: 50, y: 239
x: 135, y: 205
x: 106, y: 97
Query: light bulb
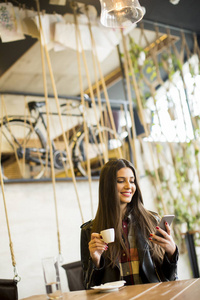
x: 120, y: 13
x: 174, y: 1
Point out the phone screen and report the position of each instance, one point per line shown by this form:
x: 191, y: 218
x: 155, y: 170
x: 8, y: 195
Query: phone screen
x: 166, y: 218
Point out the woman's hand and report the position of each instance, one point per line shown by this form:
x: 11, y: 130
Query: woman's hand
x: 166, y: 242
x: 96, y: 248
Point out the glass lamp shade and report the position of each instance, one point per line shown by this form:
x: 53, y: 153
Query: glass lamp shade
x: 120, y: 13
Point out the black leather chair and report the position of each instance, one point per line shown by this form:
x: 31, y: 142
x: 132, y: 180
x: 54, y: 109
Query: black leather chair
x: 74, y: 273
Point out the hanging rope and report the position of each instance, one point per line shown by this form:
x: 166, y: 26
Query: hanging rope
x: 94, y: 58
x: 84, y: 115
x: 48, y: 135
x: 104, y: 88
x: 59, y: 114
x: 94, y: 55
x: 139, y: 102
x: 28, y: 117
x: 153, y: 53
x: 92, y: 94
x: 12, y: 137
x: 196, y: 46
x: 16, y: 276
x: 129, y: 100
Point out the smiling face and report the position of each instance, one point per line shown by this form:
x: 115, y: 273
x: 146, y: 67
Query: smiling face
x: 125, y: 185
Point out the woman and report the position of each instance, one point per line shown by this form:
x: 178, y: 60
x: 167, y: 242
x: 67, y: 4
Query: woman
x: 137, y: 254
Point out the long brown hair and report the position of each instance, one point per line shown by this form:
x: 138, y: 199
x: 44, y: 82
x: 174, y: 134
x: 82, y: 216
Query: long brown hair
x: 109, y: 214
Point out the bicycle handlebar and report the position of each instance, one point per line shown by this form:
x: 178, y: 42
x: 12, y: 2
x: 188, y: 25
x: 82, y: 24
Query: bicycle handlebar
x: 34, y: 105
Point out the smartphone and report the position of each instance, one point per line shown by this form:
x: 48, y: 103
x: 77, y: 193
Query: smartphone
x: 166, y: 218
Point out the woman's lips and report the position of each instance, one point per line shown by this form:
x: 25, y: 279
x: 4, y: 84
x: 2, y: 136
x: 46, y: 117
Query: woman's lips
x: 126, y: 194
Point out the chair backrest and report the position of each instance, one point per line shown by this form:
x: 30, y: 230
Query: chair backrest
x: 74, y: 273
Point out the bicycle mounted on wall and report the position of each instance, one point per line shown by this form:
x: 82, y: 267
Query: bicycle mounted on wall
x: 28, y: 148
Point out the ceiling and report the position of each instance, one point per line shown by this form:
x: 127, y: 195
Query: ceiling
x: 20, y: 65
x: 184, y: 15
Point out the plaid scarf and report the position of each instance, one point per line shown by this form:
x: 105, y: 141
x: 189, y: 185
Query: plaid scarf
x: 129, y: 264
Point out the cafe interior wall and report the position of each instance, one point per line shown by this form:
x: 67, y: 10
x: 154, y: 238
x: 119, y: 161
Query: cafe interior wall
x: 33, y: 229
x: 32, y: 221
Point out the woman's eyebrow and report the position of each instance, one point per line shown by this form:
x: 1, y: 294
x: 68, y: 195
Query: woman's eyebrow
x: 132, y: 177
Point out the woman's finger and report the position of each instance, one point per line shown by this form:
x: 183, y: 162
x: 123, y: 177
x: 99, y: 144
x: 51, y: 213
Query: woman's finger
x: 96, y: 243
x: 155, y: 238
x: 168, y: 228
x: 163, y: 232
x: 95, y: 235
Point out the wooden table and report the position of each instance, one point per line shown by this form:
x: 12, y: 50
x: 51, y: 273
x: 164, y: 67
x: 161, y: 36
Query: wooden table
x: 179, y: 290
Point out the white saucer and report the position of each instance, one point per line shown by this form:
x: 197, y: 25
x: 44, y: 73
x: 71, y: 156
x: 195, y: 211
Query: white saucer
x: 109, y: 286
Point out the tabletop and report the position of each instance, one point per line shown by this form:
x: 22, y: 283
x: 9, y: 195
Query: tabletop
x: 179, y: 290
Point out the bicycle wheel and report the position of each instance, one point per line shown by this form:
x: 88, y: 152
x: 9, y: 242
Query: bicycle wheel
x: 99, y: 149
x: 22, y: 150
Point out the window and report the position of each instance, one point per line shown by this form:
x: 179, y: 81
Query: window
x: 176, y: 105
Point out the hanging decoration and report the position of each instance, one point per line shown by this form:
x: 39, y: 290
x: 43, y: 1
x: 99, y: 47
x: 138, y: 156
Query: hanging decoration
x: 120, y: 13
x: 175, y: 147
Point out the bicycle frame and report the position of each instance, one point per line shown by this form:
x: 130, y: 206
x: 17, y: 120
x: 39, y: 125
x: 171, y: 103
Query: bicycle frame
x: 33, y: 105
x: 32, y: 146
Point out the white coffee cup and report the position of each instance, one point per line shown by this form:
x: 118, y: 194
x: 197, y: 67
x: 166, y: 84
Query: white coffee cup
x: 108, y: 235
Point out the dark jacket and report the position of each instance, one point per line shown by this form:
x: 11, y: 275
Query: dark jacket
x: 149, y: 273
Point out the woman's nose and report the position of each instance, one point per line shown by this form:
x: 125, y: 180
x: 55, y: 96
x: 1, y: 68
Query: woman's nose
x: 127, y: 184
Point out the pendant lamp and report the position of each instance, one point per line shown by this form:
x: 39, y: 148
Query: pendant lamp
x: 120, y: 13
